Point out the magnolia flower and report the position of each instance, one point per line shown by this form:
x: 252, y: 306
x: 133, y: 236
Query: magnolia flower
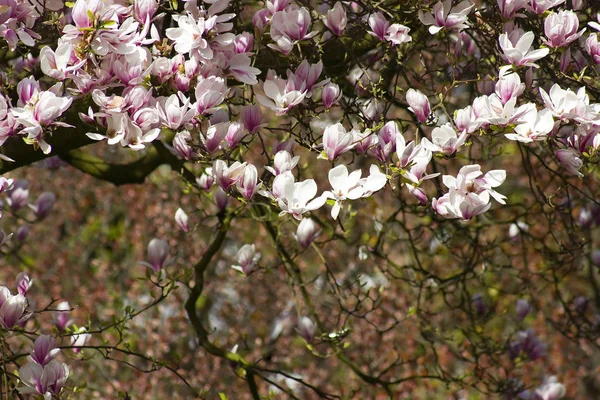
x: 534, y: 126
x: 247, y: 257
x: 175, y: 111
x: 210, y: 92
x: 283, y: 162
x: 281, y: 95
x: 330, y: 94
x: 189, y: 37
x: 182, y: 219
x: 158, y: 251
x: 394, y: 33
x: 296, y: 198
x: 592, y: 47
x: 469, y: 193
x: 289, y: 26
x: 570, y: 161
x: 504, y: 114
x: 336, y: 19
x: 251, y: 117
x: 242, y: 70
x: 226, y: 176
x: 446, y: 16
x: 566, y: 104
x: 307, y: 232
x: 47, y: 380
x: 561, y: 28
x: 55, y: 63
x: 306, y: 329
x: 12, y: 309
x: 24, y: 282
x: 509, y: 85
x: 62, y: 315
x: 80, y: 338
x: 541, y: 6
x: 509, y: 8
x: 384, y: 143
x: 516, y: 47
x: 44, y: 350
x: 248, y: 183
x: 351, y: 187
x: 445, y: 140
x: 43, y: 205
x: 337, y: 141
x: 419, y: 104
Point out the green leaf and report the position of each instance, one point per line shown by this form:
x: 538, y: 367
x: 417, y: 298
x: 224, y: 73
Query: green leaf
x: 222, y: 396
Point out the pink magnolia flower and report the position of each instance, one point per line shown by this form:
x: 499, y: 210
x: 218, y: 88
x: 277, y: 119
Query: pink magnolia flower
x: 307, y: 232
x: 182, y: 220
x: 80, y: 338
x: 446, y: 16
x: 382, y: 145
x: 283, y: 162
x: 296, y: 198
x: 508, y: 85
x: 242, y: 70
x: 466, y: 120
x: 445, y: 140
x: 306, y: 328
x: 419, y: 104
x: 247, y: 257
x: 509, y: 8
x: 190, y: 36
x: 347, y: 186
x: 394, y: 33
x: 566, y: 104
x: 337, y: 141
x: 210, y: 92
x: 534, y: 126
x: 248, y: 183
x: 55, y: 63
x: 251, y: 117
x: 44, y: 350
x: 281, y: 95
x: 43, y: 205
x: 62, y: 315
x: 592, y: 47
x: 226, y: 176
x: 516, y: 47
x: 12, y: 309
x: 157, y: 253
x: 330, y: 95
x: 561, y: 28
x: 290, y: 26
x: 175, y: 111
x: 336, y: 19
x: 569, y: 159
x: 47, y: 380
x: 24, y: 282
x: 541, y: 6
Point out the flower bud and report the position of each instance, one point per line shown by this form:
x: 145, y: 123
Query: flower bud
x: 62, y: 315
x: 22, y: 233
x: 145, y: 9
x: 419, y: 104
x: 247, y: 185
x: 306, y: 329
x: 330, y: 95
x: 79, y: 339
x: 247, y: 257
x: 157, y: 253
x: 43, y: 205
x: 17, y: 198
x: 251, y: 117
x: 243, y: 43
x: 181, y: 147
x: 206, y: 180
x: 44, y: 350
x: 182, y: 219
x: 307, y: 232
x: 24, y: 283
x: 221, y: 199
x: 336, y: 19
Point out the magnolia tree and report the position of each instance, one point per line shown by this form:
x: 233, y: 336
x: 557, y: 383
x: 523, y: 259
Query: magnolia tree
x: 305, y: 199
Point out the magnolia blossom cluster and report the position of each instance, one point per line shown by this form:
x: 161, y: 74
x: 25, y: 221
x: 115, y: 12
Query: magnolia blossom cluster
x: 43, y: 375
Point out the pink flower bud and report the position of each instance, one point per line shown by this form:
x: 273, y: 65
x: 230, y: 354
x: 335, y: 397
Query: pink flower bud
x: 570, y: 160
x: 247, y: 185
x: 181, y: 218
x: 62, y: 315
x: 206, y: 180
x: 336, y: 19
x: 221, y: 199
x: 12, y: 309
x: 247, y: 257
x: 251, y: 117
x: 158, y: 251
x: 592, y: 47
x: 22, y: 233
x: 80, y: 339
x: 307, y: 232
x: 243, y: 43
x: 44, y: 350
x: 43, y: 205
x: 235, y: 134
x: 23, y: 283
x: 330, y: 95
x: 17, y: 198
x: 182, y: 147
x: 144, y: 10
x: 306, y: 329
x: 419, y: 104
